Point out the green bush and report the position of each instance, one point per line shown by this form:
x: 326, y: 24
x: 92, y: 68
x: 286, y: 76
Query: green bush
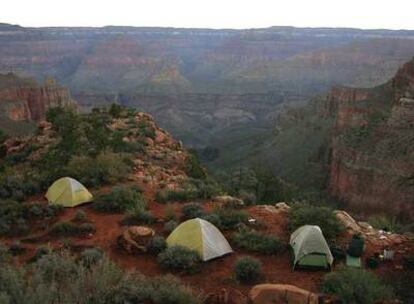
x: 170, y: 226
x: 116, y: 110
x: 231, y: 219
x: 61, y: 278
x: 91, y: 256
x: 69, y: 228
x: 386, y: 223
x: 80, y: 216
x: 120, y: 199
x: 257, y: 242
x: 192, y: 189
x: 157, y: 245
x: 192, y: 210
x: 247, y: 269
x: 179, y: 195
x: 304, y: 214
x: 146, y: 130
x: 193, y: 167
x: 180, y: 259
x: 106, y: 168
x: 17, y: 186
x: 213, y: 218
x: 356, y: 286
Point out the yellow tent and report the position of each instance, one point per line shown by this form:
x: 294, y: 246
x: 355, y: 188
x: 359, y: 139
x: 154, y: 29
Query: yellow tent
x: 68, y: 192
x: 202, y: 236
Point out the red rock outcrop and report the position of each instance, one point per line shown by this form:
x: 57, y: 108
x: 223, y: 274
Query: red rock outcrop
x: 372, y: 159
x: 22, y: 103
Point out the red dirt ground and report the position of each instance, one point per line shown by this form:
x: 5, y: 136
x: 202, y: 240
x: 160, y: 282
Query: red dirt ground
x: 214, y: 275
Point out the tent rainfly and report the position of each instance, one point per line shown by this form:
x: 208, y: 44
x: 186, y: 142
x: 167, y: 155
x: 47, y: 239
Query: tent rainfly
x: 68, y: 192
x: 202, y: 236
x: 310, y: 248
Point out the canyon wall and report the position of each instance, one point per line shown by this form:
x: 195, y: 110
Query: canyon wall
x: 22, y: 102
x: 372, y: 158
x: 233, y: 79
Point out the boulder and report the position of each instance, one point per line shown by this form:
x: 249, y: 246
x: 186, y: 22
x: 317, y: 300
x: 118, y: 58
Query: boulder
x: 135, y: 238
x: 282, y: 206
x: 229, y: 201
x: 348, y: 222
x: 225, y: 296
x: 281, y: 293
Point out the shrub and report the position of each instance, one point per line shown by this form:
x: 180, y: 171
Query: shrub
x: 356, y: 286
x: 91, y: 256
x: 60, y: 278
x: 304, y: 214
x: 138, y: 216
x: 247, y: 269
x: 193, y: 167
x: 85, y: 228
x: 64, y: 228
x: 40, y: 251
x: 146, y: 130
x: 179, y: 195
x: 231, y: 219
x: 248, y: 198
x: 212, y: 218
x: 80, y: 216
x: 192, y: 210
x: 179, y: 258
x: 115, y: 110
x: 257, y: 242
x: 120, y: 199
x: 386, y: 223
x: 170, y: 226
x: 106, y: 168
x: 168, y: 290
x: 157, y: 245
x: 192, y: 189
x: 69, y: 228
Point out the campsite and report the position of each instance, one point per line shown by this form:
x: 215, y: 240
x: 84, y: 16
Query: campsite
x: 264, y: 192
x: 164, y: 216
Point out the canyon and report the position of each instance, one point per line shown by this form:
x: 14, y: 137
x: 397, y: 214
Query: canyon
x: 23, y: 102
x: 249, y: 94
x: 372, y: 160
x: 236, y: 81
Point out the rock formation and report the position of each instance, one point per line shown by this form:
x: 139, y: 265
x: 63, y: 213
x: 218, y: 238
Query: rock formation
x: 22, y: 102
x: 372, y: 159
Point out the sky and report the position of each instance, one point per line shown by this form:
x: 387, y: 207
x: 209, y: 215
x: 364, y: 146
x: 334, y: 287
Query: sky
x: 368, y: 14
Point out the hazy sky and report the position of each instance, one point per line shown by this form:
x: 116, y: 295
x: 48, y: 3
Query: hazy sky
x: 392, y: 14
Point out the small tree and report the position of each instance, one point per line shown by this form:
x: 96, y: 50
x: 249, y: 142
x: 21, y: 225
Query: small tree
x: 247, y: 269
x: 304, y: 214
x: 356, y: 286
x: 179, y: 258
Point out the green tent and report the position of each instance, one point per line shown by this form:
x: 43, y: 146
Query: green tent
x: 310, y: 248
x: 202, y: 236
x: 68, y: 192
